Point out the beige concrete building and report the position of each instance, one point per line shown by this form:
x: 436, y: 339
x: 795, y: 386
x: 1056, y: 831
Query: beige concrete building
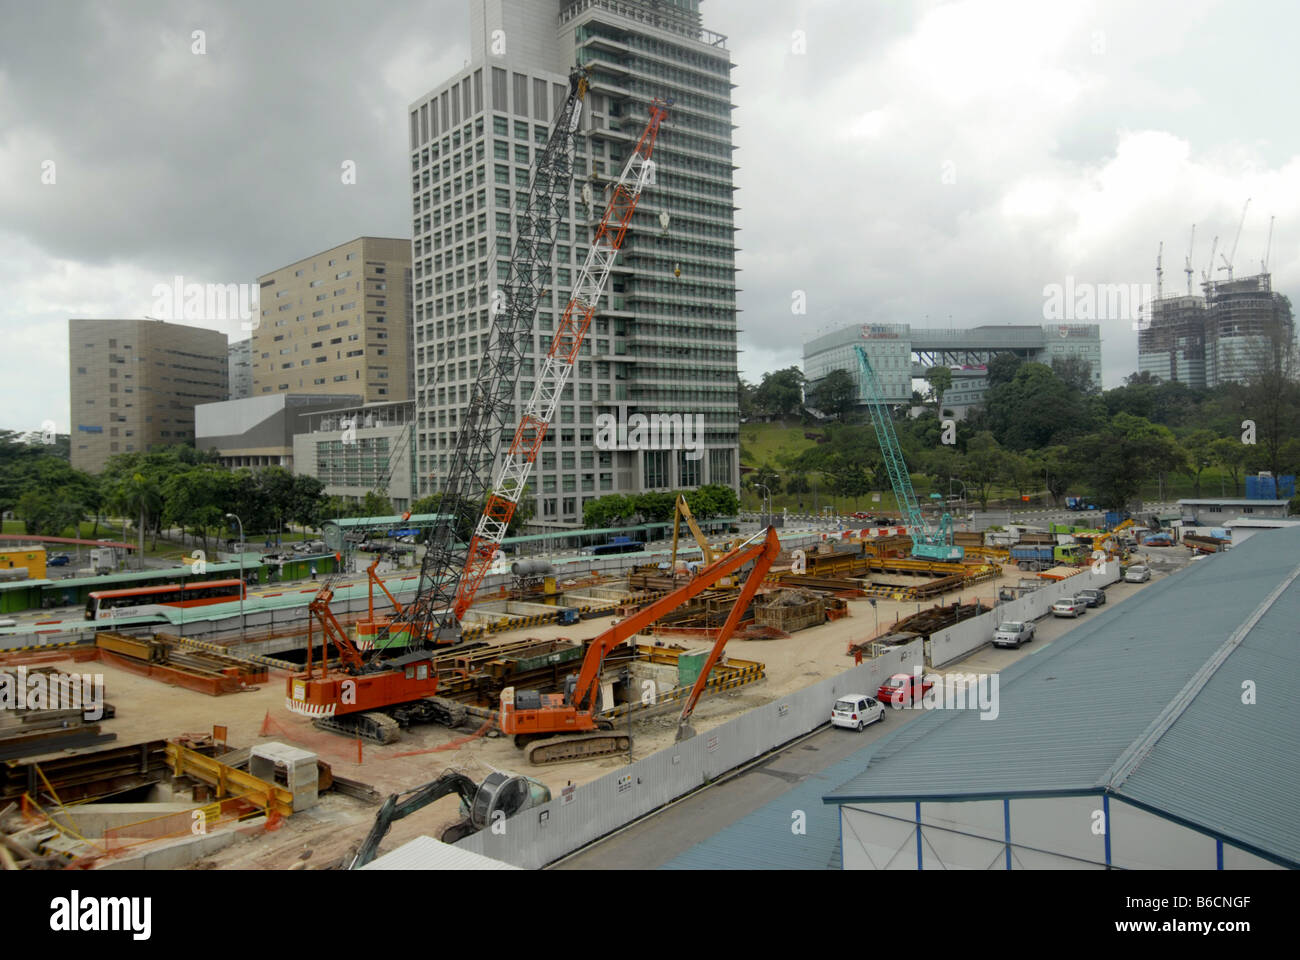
x: 337, y: 322
x: 135, y: 383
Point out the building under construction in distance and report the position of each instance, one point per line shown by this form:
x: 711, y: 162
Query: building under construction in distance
x: 1221, y: 337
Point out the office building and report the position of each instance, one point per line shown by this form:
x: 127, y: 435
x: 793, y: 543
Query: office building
x: 241, y: 369
x: 901, y: 354
x: 663, y: 340
x: 358, y: 449
x: 259, y: 431
x: 337, y: 322
x: 135, y: 384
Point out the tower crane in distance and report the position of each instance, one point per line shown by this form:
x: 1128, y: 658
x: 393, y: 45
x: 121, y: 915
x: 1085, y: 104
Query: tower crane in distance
x: 927, y: 543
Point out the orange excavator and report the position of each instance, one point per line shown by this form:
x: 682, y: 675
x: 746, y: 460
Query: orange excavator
x: 568, y: 721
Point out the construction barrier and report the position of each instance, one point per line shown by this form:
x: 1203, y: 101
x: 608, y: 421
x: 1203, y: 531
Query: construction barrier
x: 592, y: 810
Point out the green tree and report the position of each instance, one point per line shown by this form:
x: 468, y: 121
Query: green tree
x: 1198, y: 449
x: 376, y: 505
x: 199, y: 497
x: 984, y: 456
x: 37, y: 511
x: 767, y: 476
x: 781, y: 393
x: 613, y: 510
x: 1062, y: 470
x: 1002, y: 368
x: 139, y: 496
x: 1230, y: 454
x: 836, y: 394
x: 1075, y: 372
x: 1035, y: 409
x: 1118, y: 458
x: 940, y: 380
x: 712, y: 500
x: 1022, y: 472
x: 745, y: 398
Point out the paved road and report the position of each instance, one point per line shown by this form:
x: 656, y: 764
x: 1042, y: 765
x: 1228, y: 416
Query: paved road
x: 656, y: 840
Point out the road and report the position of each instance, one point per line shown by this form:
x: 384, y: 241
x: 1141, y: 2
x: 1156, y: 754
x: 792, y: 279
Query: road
x: 659, y: 838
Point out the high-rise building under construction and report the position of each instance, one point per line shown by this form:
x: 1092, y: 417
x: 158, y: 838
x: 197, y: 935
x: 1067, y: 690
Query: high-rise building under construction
x: 1226, y: 336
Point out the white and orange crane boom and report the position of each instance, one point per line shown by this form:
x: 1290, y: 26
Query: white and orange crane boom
x: 557, y: 366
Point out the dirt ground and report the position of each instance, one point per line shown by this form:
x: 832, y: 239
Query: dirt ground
x: 147, y: 709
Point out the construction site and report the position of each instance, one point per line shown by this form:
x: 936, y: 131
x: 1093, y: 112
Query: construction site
x: 193, y: 725
x: 447, y: 709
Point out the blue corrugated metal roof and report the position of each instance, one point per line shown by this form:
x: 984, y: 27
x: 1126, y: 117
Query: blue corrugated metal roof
x: 1142, y: 700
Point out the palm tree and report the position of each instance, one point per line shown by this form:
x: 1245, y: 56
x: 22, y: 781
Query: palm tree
x: 138, y: 496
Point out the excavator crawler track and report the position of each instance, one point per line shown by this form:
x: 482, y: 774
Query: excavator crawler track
x: 582, y: 746
x: 373, y: 726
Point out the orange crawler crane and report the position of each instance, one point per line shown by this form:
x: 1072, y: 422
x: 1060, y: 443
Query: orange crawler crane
x: 372, y: 699
x: 569, y: 720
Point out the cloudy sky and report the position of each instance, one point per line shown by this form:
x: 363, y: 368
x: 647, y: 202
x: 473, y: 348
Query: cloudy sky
x: 936, y: 163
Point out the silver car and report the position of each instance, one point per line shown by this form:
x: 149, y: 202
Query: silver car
x: 1068, y: 607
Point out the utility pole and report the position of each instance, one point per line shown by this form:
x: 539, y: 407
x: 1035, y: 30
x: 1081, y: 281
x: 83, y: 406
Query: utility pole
x: 243, y: 586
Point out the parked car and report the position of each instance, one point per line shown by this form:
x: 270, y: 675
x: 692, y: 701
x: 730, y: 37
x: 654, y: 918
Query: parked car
x: 1094, y: 598
x: 6, y: 622
x: 902, y: 689
x: 58, y: 560
x: 1068, y: 607
x: 1013, y: 633
x: 856, y: 710
x: 1137, y: 574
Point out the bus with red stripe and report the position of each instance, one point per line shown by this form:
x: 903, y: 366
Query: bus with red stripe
x: 145, y: 601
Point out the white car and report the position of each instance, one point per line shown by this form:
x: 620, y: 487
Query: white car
x: 1013, y: 633
x: 1137, y: 574
x: 856, y: 710
x: 6, y: 622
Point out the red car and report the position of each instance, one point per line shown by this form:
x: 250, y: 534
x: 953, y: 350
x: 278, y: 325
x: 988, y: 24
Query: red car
x: 903, y: 689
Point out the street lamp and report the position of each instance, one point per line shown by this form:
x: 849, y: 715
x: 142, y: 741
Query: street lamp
x: 963, y: 491
x: 243, y: 585
x: 769, y: 499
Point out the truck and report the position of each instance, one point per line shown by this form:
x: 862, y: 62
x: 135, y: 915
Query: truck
x: 1032, y: 556
x: 1040, y: 556
x: 1079, y: 503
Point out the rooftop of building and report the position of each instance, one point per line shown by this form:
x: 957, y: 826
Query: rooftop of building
x: 334, y: 249
x: 1234, y: 502
x: 1144, y: 702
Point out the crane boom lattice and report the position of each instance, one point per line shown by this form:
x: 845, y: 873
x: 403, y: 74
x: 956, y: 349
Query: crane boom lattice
x: 491, y: 395
x: 557, y: 365
x: 927, y: 543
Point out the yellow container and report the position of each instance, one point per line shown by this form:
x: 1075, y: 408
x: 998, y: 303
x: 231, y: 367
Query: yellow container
x: 30, y: 558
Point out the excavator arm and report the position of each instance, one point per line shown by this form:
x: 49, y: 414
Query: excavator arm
x: 586, y: 686
x: 395, y: 809
x: 771, y: 549
x: 684, y: 513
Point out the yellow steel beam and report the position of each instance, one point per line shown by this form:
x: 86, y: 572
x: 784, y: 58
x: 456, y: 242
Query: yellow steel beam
x: 229, y: 780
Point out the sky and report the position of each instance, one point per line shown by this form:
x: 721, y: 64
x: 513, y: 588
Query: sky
x: 942, y: 164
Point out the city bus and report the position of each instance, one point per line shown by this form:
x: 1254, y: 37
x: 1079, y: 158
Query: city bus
x: 143, y: 601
